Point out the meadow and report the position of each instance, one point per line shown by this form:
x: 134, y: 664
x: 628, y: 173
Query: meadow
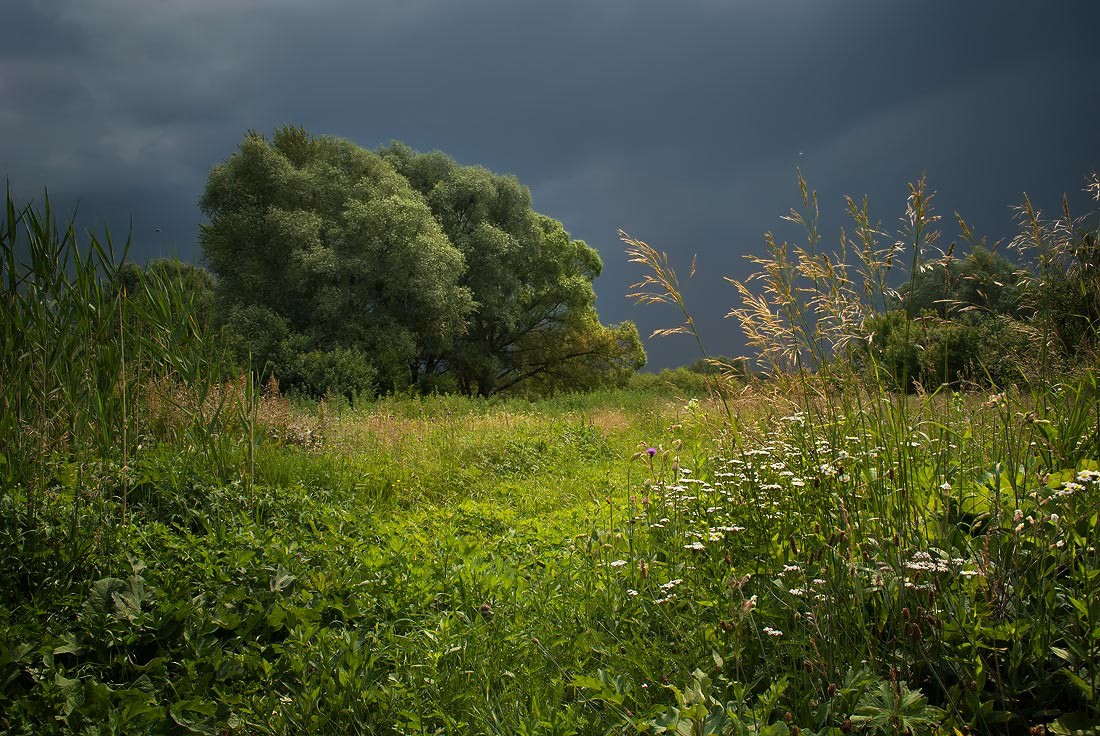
x: 818, y: 553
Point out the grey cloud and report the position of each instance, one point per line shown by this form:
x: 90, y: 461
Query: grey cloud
x: 681, y: 123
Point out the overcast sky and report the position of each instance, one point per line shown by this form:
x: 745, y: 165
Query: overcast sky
x: 680, y: 122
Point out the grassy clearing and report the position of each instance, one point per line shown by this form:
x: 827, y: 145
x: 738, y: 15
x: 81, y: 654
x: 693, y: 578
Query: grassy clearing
x: 458, y: 566
x: 186, y: 554
x: 429, y: 535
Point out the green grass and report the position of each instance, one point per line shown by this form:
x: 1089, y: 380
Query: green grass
x: 468, y: 567
x: 184, y: 553
x: 354, y: 589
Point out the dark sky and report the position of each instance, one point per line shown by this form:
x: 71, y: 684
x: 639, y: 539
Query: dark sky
x: 680, y: 122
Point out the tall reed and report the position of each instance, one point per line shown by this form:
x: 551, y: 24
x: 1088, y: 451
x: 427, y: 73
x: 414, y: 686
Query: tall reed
x: 82, y: 362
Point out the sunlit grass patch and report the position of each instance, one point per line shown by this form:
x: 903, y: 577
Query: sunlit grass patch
x: 818, y: 553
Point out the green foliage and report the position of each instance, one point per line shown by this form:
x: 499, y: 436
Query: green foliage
x: 535, y: 320
x: 893, y: 709
x: 91, y: 374
x: 720, y: 365
x: 337, y: 372
x: 1066, y: 294
x: 699, y: 712
x: 680, y: 380
x: 972, y: 323
x: 982, y: 283
x: 932, y: 351
x: 997, y: 302
x: 259, y: 337
x: 695, y: 379
x: 443, y: 276
x: 330, y: 239
x: 193, y: 282
x: 1064, y: 291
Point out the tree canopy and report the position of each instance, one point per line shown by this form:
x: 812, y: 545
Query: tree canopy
x: 194, y: 284
x: 984, y: 283
x: 535, y: 316
x: 327, y: 237
x: 431, y: 272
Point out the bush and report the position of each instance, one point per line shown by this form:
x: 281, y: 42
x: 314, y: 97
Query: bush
x: 1067, y: 297
x: 984, y: 281
x: 994, y: 350
x: 257, y: 336
x: 680, y: 380
x: 342, y: 371
x: 260, y: 338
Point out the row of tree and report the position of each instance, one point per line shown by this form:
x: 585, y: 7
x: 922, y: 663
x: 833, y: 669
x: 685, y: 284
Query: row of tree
x: 341, y: 269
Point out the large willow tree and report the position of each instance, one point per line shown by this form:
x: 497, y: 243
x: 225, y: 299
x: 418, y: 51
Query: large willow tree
x: 535, y: 317
x: 327, y: 239
x: 338, y: 264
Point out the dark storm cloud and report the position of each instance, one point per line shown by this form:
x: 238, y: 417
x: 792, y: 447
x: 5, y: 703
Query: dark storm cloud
x: 681, y: 123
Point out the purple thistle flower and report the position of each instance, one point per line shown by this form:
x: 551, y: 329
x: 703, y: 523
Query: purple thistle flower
x: 651, y: 451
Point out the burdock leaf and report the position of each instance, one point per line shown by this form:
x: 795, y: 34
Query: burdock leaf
x: 101, y: 597
x: 281, y: 580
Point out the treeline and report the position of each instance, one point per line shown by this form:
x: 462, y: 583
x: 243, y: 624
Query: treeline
x: 338, y: 270
x: 694, y: 379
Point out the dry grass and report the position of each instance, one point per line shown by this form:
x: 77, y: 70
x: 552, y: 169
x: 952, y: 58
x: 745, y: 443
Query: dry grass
x: 610, y: 420
x: 357, y: 431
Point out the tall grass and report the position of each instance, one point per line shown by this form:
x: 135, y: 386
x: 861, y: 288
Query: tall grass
x: 92, y: 378
x: 942, y: 545
x: 825, y: 552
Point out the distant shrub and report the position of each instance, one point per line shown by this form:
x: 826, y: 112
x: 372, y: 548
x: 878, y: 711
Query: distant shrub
x: 193, y: 284
x: 345, y: 372
x: 256, y: 335
x: 994, y: 350
x: 720, y: 364
x: 984, y: 281
x: 1066, y: 295
x: 437, y: 383
x: 260, y: 338
x: 680, y: 380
